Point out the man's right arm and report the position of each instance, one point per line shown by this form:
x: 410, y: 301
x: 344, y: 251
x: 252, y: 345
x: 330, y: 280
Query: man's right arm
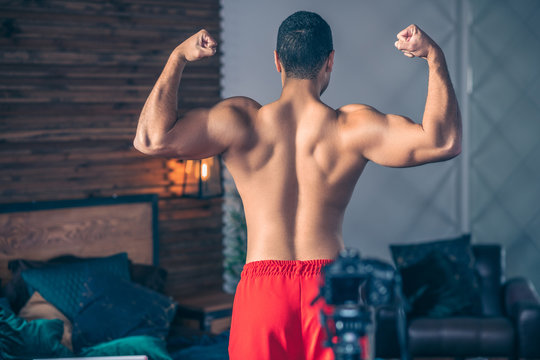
x: 393, y: 140
x: 198, y: 133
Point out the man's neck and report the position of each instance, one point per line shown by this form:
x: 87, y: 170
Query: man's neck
x: 301, y: 89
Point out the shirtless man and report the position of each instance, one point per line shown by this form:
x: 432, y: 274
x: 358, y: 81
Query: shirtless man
x: 295, y: 163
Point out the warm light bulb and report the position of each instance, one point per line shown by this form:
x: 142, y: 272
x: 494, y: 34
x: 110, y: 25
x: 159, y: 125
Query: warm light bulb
x: 204, y: 171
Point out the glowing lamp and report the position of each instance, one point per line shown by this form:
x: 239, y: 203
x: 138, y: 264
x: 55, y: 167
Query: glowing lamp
x: 196, y: 178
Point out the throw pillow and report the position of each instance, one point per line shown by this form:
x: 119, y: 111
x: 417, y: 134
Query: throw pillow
x: 39, y: 308
x: 63, y: 284
x: 112, y: 308
x: 150, y: 276
x: 4, y: 302
x: 16, y: 289
x: 439, y: 278
x: 432, y: 288
x: 21, y: 339
x: 150, y: 346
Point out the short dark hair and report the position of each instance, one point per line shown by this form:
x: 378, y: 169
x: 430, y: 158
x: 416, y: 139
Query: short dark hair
x: 303, y: 44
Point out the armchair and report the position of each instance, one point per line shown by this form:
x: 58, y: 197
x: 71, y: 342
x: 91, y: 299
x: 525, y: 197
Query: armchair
x: 509, y: 324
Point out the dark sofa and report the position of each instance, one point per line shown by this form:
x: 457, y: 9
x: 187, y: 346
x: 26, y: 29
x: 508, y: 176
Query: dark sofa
x: 508, y: 326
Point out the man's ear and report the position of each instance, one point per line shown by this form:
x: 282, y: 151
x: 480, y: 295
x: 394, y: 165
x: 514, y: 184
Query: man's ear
x: 276, y: 61
x: 330, y: 61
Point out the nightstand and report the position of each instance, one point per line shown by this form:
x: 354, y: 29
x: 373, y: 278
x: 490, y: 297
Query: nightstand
x: 212, y: 311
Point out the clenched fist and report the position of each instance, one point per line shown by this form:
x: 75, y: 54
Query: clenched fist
x: 412, y: 41
x: 197, y: 47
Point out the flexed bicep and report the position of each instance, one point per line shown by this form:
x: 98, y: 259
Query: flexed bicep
x: 393, y: 140
x: 201, y: 133
x: 398, y: 142
x: 205, y: 132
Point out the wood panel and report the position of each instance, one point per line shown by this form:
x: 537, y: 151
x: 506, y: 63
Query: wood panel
x: 74, y: 76
x: 83, y: 229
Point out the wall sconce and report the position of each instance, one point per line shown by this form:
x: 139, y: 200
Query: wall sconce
x: 196, y: 178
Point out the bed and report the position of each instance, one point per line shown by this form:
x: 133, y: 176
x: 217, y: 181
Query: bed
x: 82, y: 278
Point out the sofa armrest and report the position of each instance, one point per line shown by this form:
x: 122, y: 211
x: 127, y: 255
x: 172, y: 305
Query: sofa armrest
x: 386, y: 335
x: 522, y: 305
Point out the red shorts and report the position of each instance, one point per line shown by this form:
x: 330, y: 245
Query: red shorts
x: 272, y: 314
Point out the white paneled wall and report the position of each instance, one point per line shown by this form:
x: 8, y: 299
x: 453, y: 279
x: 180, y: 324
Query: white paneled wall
x: 504, y: 40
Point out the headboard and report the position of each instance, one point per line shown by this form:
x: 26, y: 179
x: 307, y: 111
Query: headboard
x: 86, y: 228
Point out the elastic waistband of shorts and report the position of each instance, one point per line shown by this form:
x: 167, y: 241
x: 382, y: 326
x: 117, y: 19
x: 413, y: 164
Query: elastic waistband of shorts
x: 284, y: 267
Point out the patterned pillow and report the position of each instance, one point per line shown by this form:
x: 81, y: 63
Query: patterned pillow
x: 112, y: 308
x: 439, y: 277
x: 16, y: 290
x: 63, y: 284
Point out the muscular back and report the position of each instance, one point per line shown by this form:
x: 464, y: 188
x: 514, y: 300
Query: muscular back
x: 295, y: 161
x: 295, y: 176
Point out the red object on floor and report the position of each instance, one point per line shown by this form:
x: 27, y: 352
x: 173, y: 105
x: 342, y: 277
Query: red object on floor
x: 272, y: 314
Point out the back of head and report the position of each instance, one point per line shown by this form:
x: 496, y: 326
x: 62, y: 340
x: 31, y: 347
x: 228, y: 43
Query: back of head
x: 303, y: 44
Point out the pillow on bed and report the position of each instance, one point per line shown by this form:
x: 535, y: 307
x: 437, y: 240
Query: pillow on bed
x: 16, y: 289
x: 152, y: 347
x: 149, y: 276
x: 39, y: 308
x: 4, y: 302
x: 21, y: 339
x: 63, y: 284
x: 113, y: 308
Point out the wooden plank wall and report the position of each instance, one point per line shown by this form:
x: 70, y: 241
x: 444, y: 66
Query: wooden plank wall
x: 74, y: 76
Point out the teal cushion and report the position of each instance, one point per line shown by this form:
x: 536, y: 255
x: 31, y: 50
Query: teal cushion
x: 128, y: 309
x: 63, y: 284
x: 150, y: 346
x: 20, y: 339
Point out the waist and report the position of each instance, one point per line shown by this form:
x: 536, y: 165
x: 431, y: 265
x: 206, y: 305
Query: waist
x: 277, y: 246
x: 284, y: 267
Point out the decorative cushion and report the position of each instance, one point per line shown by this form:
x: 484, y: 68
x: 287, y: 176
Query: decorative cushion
x: 63, y: 284
x: 432, y: 287
x: 4, y: 302
x: 149, y: 276
x: 39, y: 308
x: 16, y: 289
x: 150, y: 346
x: 438, y: 277
x: 20, y: 339
x: 112, y: 308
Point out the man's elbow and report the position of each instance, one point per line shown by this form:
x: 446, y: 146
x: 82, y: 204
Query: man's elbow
x: 452, y: 149
x: 148, y: 147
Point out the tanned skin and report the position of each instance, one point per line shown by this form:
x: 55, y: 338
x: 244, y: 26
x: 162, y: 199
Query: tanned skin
x: 296, y: 161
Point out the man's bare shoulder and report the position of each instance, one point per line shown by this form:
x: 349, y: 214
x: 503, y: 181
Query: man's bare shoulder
x: 361, y: 125
x: 235, y: 112
x: 357, y: 109
x: 358, y: 114
x: 232, y: 119
x: 238, y: 103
